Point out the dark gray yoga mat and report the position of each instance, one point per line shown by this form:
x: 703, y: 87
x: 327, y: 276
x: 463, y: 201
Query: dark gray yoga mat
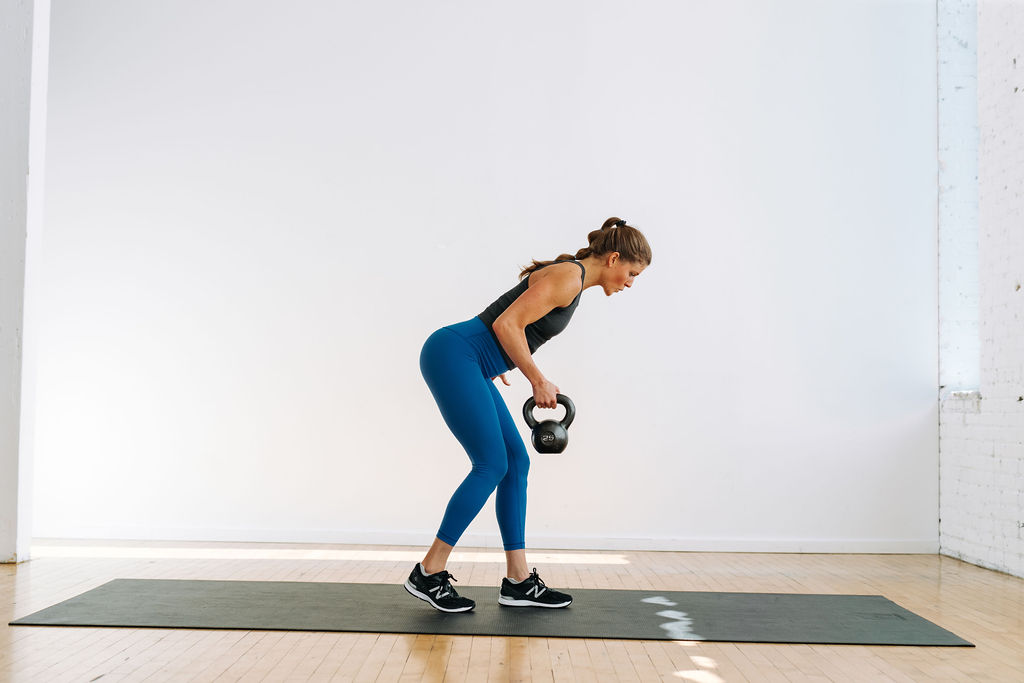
x: 386, y: 608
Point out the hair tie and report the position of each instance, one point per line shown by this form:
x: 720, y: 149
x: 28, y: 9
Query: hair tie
x: 619, y: 223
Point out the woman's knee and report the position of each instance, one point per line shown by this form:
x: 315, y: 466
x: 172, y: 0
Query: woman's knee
x: 520, y: 463
x: 490, y: 473
x: 518, y: 456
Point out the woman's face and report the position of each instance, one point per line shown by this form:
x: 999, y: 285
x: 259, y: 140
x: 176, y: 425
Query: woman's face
x: 620, y: 274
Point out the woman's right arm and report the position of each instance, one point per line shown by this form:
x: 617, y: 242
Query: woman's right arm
x: 510, y: 327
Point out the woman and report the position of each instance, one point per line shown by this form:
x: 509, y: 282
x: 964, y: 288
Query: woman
x: 459, y: 363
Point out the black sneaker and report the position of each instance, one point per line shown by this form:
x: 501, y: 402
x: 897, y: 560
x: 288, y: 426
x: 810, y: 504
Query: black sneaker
x: 437, y: 590
x: 531, y: 592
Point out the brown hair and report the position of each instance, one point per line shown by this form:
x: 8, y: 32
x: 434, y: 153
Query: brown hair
x: 614, y: 235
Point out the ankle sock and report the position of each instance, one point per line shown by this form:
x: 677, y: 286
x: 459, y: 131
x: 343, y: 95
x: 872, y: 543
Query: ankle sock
x: 422, y: 570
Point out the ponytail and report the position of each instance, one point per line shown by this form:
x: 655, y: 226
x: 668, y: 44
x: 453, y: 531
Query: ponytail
x: 613, y: 235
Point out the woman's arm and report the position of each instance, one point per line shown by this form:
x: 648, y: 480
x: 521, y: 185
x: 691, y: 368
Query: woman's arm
x: 556, y: 289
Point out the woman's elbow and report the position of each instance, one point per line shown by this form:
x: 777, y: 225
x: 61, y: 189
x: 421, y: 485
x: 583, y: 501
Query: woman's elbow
x: 504, y: 326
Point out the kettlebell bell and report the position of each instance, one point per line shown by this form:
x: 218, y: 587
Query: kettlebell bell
x: 550, y: 436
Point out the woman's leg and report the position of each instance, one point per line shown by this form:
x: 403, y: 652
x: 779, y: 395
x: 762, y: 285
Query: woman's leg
x: 510, y: 502
x: 463, y: 396
x: 515, y: 564
x: 436, y: 558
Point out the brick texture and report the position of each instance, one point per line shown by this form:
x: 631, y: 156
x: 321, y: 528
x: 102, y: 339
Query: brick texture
x: 981, y: 464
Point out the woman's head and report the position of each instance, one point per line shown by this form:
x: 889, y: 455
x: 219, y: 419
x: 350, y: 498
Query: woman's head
x: 616, y: 236
x: 613, y: 237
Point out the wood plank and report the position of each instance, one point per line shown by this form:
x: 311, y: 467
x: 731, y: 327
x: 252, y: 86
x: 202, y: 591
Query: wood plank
x: 981, y: 605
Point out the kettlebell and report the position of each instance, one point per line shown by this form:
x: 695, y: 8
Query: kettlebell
x: 550, y: 436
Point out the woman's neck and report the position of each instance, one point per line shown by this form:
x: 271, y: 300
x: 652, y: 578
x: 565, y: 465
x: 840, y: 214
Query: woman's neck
x: 594, y: 267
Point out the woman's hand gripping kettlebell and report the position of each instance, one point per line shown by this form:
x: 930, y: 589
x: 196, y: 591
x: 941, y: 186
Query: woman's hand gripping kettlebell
x: 545, y: 394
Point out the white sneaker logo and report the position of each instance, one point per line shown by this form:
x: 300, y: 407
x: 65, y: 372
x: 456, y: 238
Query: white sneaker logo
x: 536, y: 591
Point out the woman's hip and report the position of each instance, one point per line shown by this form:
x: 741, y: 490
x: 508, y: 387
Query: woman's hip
x: 467, y: 346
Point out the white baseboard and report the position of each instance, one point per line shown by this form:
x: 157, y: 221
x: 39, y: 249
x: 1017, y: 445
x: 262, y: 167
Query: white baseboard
x: 928, y: 546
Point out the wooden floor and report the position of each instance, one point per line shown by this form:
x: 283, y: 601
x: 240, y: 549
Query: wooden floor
x: 985, y: 607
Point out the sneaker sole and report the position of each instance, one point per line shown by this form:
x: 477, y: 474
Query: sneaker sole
x: 422, y: 596
x: 512, y: 602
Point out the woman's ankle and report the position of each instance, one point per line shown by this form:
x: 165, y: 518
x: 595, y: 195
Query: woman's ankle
x: 432, y: 568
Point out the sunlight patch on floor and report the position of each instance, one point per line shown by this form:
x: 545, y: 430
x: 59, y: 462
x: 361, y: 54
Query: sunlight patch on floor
x: 318, y: 554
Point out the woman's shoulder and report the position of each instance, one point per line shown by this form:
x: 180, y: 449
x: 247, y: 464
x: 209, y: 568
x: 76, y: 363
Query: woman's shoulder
x: 571, y: 267
x: 564, y: 276
x: 564, y: 270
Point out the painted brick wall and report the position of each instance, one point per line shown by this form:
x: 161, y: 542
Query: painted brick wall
x: 981, y: 465
x: 957, y: 42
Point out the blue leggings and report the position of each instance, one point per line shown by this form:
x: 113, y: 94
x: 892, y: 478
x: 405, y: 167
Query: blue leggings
x: 458, y: 362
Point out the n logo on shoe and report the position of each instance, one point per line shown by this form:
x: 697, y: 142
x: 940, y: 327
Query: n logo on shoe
x: 536, y: 591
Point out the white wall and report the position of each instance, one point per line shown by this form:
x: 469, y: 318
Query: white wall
x: 959, y: 341
x: 258, y: 212
x: 24, y: 43
x: 982, y: 432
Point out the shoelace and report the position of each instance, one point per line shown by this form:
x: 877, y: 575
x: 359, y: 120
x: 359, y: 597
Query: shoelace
x: 445, y: 589
x: 539, y: 586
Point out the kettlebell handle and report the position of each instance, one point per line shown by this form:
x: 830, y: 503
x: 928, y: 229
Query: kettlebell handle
x: 570, y: 411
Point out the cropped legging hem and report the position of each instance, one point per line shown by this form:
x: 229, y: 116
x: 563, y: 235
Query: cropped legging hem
x: 507, y: 546
x: 457, y: 363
